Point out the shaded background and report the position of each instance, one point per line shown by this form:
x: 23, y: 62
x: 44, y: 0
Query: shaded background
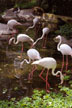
x: 61, y: 7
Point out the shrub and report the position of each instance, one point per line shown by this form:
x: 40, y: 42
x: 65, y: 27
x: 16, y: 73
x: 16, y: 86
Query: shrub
x: 65, y: 30
x: 41, y: 99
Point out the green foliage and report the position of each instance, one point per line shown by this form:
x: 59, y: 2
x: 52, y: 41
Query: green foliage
x: 66, y: 30
x: 41, y: 99
x: 25, y: 4
x: 67, y: 77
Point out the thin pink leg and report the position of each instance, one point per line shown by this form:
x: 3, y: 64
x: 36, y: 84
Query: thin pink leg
x: 62, y: 64
x: 22, y: 49
x: 66, y: 62
x: 47, y: 84
x: 40, y: 75
x: 45, y: 39
x: 31, y: 73
x: 35, y: 67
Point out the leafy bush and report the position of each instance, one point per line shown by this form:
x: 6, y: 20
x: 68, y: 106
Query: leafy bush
x: 25, y: 4
x: 66, y: 30
x: 41, y: 99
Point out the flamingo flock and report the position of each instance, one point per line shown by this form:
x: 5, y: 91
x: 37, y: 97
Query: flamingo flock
x: 35, y: 57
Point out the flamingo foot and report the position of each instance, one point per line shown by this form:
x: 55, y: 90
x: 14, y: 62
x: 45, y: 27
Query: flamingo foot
x: 47, y: 91
x: 66, y: 66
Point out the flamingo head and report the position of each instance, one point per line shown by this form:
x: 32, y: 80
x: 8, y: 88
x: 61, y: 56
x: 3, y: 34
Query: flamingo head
x: 31, y: 41
x: 57, y: 38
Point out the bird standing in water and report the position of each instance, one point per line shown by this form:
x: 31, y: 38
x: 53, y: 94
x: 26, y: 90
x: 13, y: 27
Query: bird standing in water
x: 65, y: 49
x: 22, y: 38
x: 48, y: 63
x: 45, y: 32
x: 32, y: 54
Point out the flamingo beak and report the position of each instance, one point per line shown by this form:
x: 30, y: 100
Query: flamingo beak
x: 55, y: 39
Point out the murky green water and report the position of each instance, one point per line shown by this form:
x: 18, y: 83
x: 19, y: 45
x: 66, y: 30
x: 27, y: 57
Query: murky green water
x: 13, y: 80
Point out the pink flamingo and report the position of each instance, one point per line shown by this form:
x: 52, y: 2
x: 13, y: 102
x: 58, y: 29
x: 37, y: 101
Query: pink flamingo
x: 12, y: 23
x: 45, y: 31
x: 22, y: 38
x: 65, y: 49
x: 32, y: 54
x: 35, y: 21
x: 48, y: 63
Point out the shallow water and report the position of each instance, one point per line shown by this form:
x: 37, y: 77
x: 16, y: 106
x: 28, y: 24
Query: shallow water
x: 14, y: 80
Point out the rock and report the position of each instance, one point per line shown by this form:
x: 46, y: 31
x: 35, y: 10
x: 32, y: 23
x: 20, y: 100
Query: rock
x: 22, y: 15
x: 25, y: 15
x: 38, y: 11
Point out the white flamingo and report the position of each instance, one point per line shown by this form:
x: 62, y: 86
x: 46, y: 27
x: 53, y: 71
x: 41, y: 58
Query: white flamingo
x: 12, y: 23
x: 32, y: 54
x: 9, y: 28
x: 35, y: 21
x: 65, y: 49
x: 49, y: 63
x: 63, y: 40
x: 21, y: 38
x: 45, y: 32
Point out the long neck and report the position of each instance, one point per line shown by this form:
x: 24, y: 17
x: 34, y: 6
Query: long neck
x: 58, y: 46
x: 38, y: 39
x: 30, y: 27
x: 58, y: 72
x: 13, y: 39
x: 25, y: 60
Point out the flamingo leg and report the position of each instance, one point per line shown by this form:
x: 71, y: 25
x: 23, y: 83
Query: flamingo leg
x: 22, y: 49
x: 62, y: 64
x: 40, y: 75
x: 66, y: 62
x: 31, y: 73
x: 45, y: 40
x: 47, y: 84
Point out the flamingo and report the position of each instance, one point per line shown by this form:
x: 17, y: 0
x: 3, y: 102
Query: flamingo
x: 48, y: 63
x: 65, y: 49
x: 22, y: 38
x: 12, y: 23
x: 35, y: 21
x: 9, y: 28
x: 45, y: 31
x: 64, y: 40
x: 32, y: 54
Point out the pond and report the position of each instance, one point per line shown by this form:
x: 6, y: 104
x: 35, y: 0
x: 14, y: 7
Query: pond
x: 14, y: 80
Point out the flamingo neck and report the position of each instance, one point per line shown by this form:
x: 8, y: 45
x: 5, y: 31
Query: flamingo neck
x: 25, y: 60
x: 58, y: 46
x: 58, y: 72
x: 30, y: 27
x: 14, y: 41
x: 38, y: 39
